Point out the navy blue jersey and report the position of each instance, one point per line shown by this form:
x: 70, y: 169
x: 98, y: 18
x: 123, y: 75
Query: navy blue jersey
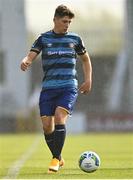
x: 59, y: 55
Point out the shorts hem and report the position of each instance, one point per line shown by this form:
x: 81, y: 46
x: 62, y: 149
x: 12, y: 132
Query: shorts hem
x: 45, y: 115
x: 64, y: 109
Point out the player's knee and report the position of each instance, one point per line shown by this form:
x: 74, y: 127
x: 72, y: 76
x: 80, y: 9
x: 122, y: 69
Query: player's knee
x: 48, y: 125
x: 48, y: 129
x: 60, y: 116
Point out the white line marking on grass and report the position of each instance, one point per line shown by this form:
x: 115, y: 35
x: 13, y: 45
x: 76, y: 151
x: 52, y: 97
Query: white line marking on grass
x: 17, y: 165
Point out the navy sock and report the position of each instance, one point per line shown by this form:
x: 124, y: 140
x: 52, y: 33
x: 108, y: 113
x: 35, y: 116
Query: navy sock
x: 59, y: 139
x: 50, y: 140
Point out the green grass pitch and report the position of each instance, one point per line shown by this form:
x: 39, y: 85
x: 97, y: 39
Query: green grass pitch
x: 115, y: 151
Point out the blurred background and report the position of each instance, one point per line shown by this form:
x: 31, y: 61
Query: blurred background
x: 106, y: 28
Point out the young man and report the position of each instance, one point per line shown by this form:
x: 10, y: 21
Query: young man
x: 59, y: 87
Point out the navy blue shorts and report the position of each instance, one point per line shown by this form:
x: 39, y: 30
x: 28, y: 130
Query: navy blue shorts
x: 50, y: 99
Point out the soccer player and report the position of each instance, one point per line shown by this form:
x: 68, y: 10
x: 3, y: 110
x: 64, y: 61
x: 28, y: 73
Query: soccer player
x: 60, y: 49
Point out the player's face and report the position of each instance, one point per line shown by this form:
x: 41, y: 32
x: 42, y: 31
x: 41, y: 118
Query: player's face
x: 61, y: 25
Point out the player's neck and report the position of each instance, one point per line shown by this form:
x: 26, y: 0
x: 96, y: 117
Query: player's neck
x: 56, y: 31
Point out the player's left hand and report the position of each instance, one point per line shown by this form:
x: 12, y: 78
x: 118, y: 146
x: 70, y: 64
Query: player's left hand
x: 85, y: 87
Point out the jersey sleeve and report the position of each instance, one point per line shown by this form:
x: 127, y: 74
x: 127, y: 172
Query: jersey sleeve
x: 37, y: 45
x: 80, y: 48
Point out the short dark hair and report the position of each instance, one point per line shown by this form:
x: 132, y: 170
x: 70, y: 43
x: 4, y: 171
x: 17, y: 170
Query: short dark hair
x: 62, y: 11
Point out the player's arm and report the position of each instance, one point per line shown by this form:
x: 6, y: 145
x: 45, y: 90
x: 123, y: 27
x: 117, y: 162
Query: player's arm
x: 87, y: 70
x: 27, y: 61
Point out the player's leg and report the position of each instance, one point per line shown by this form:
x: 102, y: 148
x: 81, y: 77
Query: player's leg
x: 59, y: 138
x: 47, y: 109
x: 65, y: 105
x: 48, y: 128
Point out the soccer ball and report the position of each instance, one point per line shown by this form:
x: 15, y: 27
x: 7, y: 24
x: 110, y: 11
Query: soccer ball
x: 89, y: 161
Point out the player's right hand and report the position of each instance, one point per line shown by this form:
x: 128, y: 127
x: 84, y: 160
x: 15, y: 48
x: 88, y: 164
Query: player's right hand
x: 25, y: 64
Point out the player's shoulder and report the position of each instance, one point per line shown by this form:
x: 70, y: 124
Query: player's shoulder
x: 44, y: 35
x: 73, y: 35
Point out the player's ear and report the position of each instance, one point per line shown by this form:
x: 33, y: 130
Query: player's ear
x: 54, y: 19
